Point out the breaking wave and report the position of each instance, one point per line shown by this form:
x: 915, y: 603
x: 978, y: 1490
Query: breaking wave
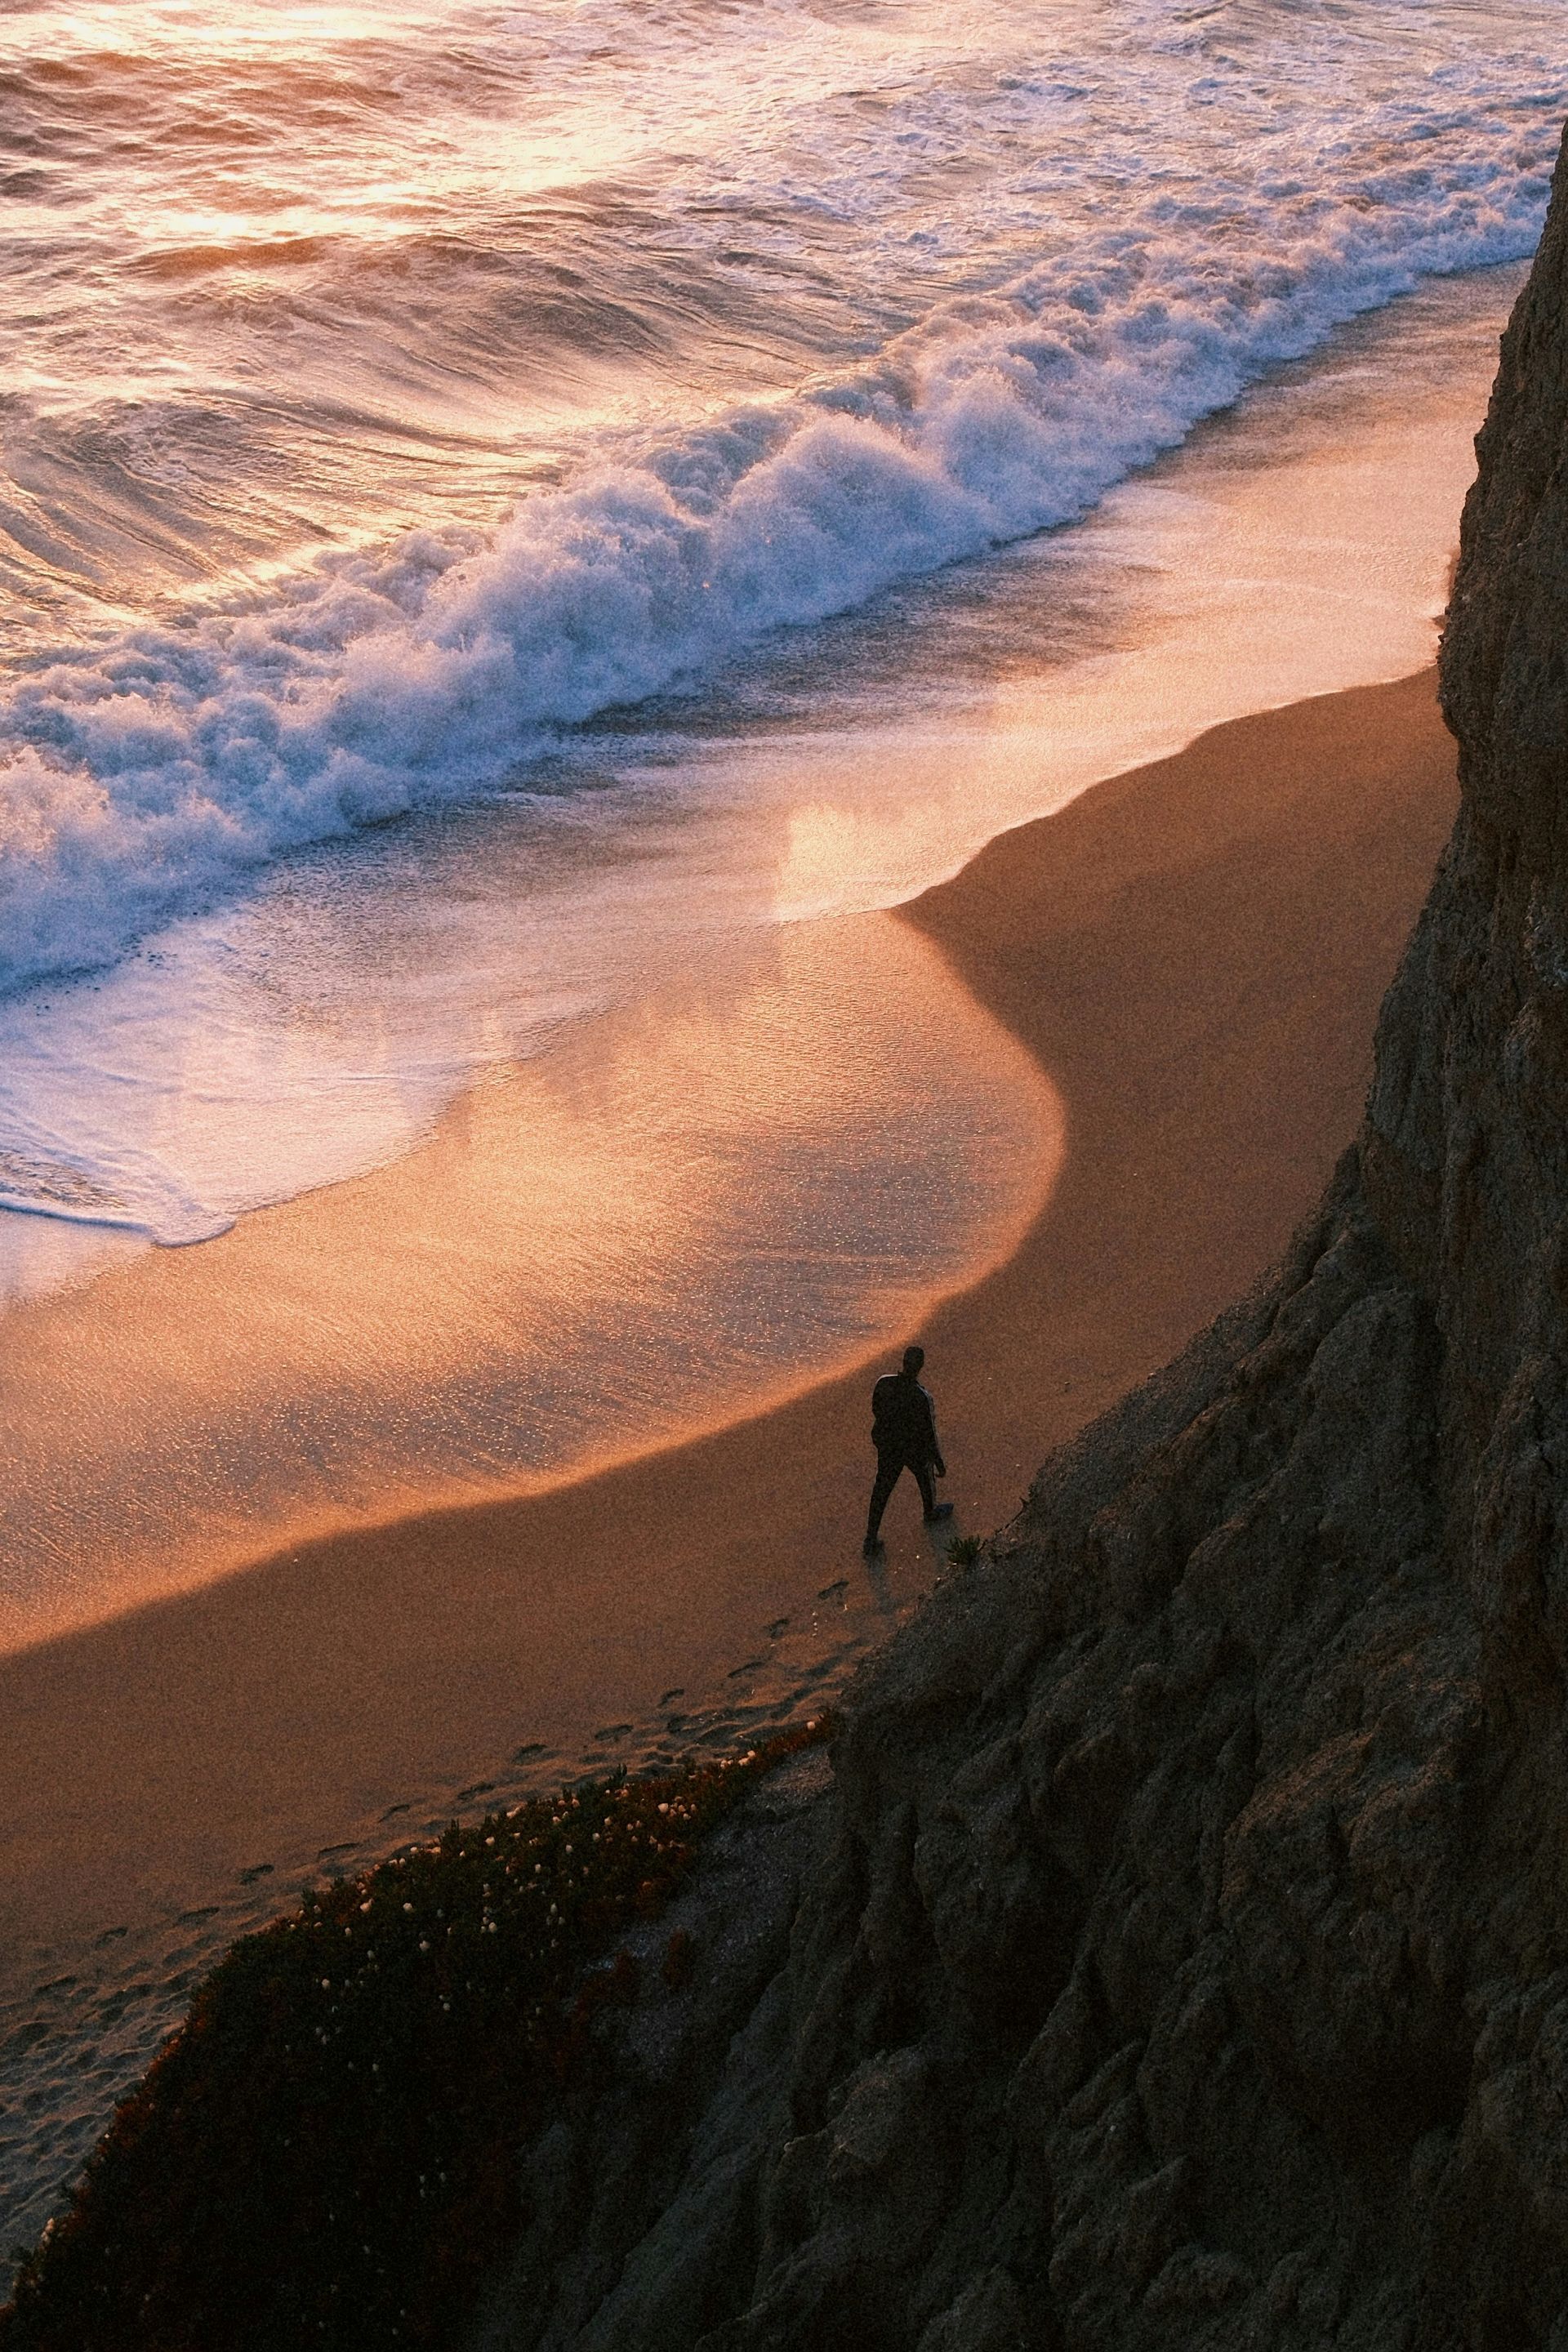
x: 144, y: 777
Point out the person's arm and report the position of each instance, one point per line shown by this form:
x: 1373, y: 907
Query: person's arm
x: 936, y: 1464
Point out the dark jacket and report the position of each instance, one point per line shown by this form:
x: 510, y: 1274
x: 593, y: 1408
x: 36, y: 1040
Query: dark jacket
x: 903, y: 1422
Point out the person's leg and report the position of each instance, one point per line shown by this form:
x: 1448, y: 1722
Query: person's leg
x: 928, y: 1503
x: 887, y: 1478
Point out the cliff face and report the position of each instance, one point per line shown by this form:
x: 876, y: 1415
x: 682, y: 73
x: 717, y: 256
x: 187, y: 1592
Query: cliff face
x: 1186, y: 1960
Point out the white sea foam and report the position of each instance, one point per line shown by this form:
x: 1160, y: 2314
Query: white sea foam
x: 784, y: 307
x: 143, y: 778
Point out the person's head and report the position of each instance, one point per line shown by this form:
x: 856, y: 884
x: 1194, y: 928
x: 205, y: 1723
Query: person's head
x: 913, y: 1359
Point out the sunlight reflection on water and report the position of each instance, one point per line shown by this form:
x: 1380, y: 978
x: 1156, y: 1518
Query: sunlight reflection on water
x: 690, y: 1209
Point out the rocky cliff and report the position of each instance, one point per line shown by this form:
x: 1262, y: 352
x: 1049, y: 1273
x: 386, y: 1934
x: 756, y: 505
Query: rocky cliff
x: 1183, y: 1956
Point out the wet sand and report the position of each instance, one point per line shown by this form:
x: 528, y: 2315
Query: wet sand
x: 1194, y: 953
x: 698, y: 1202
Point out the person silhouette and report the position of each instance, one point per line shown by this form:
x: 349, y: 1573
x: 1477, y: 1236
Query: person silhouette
x: 903, y: 1431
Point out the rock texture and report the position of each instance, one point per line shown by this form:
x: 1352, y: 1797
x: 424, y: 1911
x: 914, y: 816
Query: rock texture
x: 1184, y: 1959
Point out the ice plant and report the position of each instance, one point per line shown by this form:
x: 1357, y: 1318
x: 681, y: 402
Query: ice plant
x: 327, y: 2149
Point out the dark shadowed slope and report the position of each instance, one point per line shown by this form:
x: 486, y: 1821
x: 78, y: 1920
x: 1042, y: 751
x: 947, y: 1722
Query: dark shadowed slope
x: 1187, y: 1961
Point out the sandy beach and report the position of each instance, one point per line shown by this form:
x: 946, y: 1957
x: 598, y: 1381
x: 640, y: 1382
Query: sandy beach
x: 1194, y: 953
x: 625, y: 783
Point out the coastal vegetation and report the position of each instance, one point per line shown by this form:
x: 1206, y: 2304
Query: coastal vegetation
x: 1182, y: 1964
x: 326, y: 2151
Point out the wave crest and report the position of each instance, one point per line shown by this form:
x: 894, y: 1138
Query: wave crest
x: 140, y: 781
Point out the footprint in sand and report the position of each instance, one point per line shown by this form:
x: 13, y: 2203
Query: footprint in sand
x: 750, y: 1667
x: 248, y: 1877
x: 828, y: 1591
x: 522, y: 1754
x: 678, y: 1692
x: 613, y: 1731
x: 776, y: 1628
x: 195, y: 1919
x: 480, y: 1789
x: 393, y: 1810
x: 326, y: 1852
x: 112, y: 1934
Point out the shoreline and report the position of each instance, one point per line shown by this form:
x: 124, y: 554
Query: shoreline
x: 1194, y: 952
x: 696, y: 1208
x: 1024, y: 925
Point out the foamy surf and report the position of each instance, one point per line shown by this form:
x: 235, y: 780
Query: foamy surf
x: 317, y: 1024
x: 47, y: 1200
x: 1269, y: 195
x: 165, y: 1217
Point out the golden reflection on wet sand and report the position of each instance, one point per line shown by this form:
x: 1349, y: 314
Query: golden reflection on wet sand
x: 694, y: 1207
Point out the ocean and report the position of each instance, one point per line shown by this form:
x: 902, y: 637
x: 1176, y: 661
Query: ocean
x: 520, y: 526
x: 500, y: 504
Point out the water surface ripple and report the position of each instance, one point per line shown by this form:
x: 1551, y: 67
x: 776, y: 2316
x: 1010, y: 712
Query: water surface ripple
x: 394, y: 390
